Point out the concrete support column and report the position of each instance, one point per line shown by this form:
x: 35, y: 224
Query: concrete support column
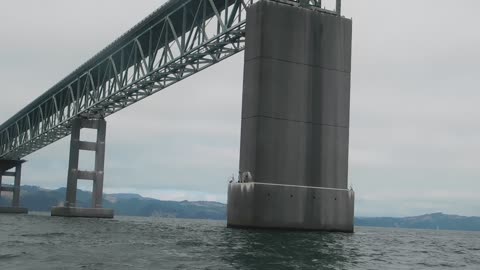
x: 16, y: 186
x: 295, y: 122
x: 97, y: 198
x: 5, y: 171
x: 74, y: 174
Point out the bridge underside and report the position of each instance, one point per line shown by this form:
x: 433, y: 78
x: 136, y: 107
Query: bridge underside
x: 295, y: 122
x: 179, y: 39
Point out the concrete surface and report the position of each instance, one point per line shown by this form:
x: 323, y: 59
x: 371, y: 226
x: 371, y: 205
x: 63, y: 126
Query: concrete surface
x: 82, y: 212
x: 6, y: 167
x: 295, y: 121
x: 74, y: 174
x: 273, y: 206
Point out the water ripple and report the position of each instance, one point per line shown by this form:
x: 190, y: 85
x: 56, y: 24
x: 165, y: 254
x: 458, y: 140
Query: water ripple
x: 143, y: 243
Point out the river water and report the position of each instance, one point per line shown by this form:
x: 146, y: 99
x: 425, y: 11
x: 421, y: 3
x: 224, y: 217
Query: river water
x: 37, y: 241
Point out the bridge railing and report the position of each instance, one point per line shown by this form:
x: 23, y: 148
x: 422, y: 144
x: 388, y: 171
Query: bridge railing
x: 181, y: 38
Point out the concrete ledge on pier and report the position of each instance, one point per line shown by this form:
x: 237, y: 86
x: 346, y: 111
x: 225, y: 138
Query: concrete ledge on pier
x: 13, y: 210
x: 82, y: 212
x: 290, y: 207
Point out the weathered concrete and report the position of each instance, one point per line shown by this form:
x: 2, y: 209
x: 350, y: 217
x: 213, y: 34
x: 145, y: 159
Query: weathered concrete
x: 274, y: 206
x: 74, y: 174
x: 82, y: 212
x: 5, y: 171
x: 295, y: 121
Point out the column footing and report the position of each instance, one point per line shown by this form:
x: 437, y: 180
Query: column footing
x: 77, y: 212
x: 13, y: 210
x: 290, y: 207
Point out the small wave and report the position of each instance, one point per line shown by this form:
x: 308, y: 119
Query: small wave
x: 14, y: 242
x: 190, y: 243
x: 8, y: 256
x: 43, y: 234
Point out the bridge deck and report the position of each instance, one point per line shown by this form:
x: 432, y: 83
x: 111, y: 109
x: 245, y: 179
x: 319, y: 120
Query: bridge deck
x: 180, y: 38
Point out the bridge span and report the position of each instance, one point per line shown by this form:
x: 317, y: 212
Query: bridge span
x: 295, y: 119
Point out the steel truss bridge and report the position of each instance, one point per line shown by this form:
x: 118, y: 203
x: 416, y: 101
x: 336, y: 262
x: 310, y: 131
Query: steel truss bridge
x: 179, y: 39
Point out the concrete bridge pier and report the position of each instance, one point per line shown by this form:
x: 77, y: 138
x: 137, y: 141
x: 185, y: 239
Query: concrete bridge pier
x: 295, y: 122
x: 74, y: 174
x: 6, y: 167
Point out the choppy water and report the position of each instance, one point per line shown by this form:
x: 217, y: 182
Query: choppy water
x: 42, y: 242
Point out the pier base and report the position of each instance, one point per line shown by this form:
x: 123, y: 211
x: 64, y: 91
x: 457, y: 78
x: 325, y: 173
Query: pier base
x: 272, y: 206
x: 82, y: 212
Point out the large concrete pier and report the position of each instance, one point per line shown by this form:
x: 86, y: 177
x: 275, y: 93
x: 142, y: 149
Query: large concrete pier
x: 74, y: 174
x: 295, y: 122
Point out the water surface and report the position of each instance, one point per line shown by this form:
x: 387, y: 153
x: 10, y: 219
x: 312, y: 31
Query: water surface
x: 38, y: 241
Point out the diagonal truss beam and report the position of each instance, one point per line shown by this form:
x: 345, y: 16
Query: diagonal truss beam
x: 178, y: 40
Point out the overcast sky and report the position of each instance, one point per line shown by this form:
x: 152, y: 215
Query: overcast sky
x: 415, y: 129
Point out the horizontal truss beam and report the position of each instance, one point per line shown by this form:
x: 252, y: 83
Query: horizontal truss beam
x: 180, y: 39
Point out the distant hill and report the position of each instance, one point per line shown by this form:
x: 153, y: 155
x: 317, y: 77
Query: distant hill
x: 38, y: 199
x: 433, y: 221
x: 125, y: 204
